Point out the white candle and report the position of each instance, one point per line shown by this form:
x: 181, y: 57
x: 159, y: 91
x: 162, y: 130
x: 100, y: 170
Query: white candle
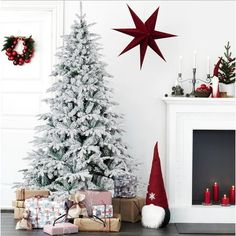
x: 194, y: 58
x: 180, y: 64
x: 208, y: 65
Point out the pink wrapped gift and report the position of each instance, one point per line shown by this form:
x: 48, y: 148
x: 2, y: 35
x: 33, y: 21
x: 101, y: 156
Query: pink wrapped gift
x: 60, y: 229
x: 94, y: 197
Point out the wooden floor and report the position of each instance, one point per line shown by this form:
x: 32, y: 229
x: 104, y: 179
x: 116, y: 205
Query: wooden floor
x: 129, y: 229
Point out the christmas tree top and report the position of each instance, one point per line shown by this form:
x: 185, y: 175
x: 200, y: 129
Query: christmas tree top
x: 226, y: 72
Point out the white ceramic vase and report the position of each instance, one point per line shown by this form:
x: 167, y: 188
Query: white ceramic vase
x: 229, y: 88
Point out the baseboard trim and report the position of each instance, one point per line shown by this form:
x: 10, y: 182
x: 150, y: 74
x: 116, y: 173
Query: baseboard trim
x: 7, y: 210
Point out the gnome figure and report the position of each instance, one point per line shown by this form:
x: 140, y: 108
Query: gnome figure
x: 156, y: 213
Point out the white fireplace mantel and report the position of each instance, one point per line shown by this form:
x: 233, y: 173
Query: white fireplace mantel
x: 183, y: 116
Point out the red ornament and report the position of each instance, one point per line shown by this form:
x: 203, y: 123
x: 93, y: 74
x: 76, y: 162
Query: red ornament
x: 27, y: 61
x: 144, y: 35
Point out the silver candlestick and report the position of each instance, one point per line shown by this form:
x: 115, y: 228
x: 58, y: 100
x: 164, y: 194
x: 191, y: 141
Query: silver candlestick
x: 194, y: 80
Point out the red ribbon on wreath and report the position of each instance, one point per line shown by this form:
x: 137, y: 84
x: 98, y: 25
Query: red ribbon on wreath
x: 26, y: 54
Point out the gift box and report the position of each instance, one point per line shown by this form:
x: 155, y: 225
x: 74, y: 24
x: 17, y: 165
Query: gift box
x: 94, y: 197
x: 22, y: 194
x: 18, y: 213
x: 129, y: 208
x: 60, y: 229
x: 20, y: 204
x: 43, y: 211
x: 125, y: 186
x: 96, y: 225
x: 103, y: 211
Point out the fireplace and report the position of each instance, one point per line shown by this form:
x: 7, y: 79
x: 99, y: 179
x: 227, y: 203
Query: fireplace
x: 213, y: 161
x: 186, y: 117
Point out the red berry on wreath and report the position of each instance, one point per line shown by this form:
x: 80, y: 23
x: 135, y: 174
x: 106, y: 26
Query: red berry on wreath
x: 25, y: 47
x: 14, y: 53
x: 9, y: 50
x: 27, y: 60
x: 11, y: 58
x: 15, y: 63
x: 15, y: 42
x: 21, y: 63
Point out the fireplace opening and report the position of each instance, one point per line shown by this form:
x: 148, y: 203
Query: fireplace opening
x: 213, y: 161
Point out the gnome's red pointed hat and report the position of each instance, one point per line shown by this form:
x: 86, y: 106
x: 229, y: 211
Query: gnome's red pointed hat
x: 156, y: 209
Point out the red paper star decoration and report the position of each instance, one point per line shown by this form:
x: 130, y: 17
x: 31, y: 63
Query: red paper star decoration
x: 145, y: 35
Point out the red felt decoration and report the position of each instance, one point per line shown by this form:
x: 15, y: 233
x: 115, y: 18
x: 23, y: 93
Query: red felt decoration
x: 144, y: 35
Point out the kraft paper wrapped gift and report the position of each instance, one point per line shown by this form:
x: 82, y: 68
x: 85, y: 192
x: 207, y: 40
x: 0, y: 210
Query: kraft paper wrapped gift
x: 20, y: 204
x: 60, y: 229
x: 95, y: 225
x: 129, y: 208
x: 94, y: 197
x: 18, y: 213
x: 22, y: 194
x: 44, y: 211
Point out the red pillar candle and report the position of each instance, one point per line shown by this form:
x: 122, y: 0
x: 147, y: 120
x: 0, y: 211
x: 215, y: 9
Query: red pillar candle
x: 232, y: 195
x: 225, y: 200
x: 215, y: 190
x: 207, y: 197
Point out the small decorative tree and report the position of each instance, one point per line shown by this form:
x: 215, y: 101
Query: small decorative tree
x: 80, y: 145
x: 226, y: 72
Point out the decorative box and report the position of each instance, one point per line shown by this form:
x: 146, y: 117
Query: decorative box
x: 94, y: 197
x: 60, y: 229
x: 93, y: 224
x: 18, y: 213
x: 129, y: 208
x: 43, y: 211
x: 125, y: 186
x: 103, y: 211
x: 22, y: 194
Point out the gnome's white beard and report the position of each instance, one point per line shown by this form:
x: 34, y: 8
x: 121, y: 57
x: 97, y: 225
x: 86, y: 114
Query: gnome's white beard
x: 152, y: 216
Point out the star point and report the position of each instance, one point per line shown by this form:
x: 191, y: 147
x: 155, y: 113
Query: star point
x: 144, y: 35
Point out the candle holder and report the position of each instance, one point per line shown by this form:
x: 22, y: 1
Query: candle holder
x: 194, y: 80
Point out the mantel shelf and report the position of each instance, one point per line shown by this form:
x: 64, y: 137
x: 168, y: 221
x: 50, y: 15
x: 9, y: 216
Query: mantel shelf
x: 199, y: 101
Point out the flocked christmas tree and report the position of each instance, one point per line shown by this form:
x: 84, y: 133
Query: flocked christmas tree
x: 80, y: 143
x: 226, y: 72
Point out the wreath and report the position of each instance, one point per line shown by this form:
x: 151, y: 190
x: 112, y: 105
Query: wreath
x: 26, y: 54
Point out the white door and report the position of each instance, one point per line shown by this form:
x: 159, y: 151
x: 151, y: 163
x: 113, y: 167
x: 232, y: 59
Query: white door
x: 23, y: 87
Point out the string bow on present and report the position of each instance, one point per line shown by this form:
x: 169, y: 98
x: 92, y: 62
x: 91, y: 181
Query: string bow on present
x: 78, y: 208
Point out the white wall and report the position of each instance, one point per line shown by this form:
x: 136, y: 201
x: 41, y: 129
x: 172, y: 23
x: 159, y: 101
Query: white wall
x: 204, y: 26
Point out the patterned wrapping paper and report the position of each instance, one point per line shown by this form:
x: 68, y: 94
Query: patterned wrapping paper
x: 43, y: 211
x: 125, y: 186
x: 94, y: 197
x: 103, y: 211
